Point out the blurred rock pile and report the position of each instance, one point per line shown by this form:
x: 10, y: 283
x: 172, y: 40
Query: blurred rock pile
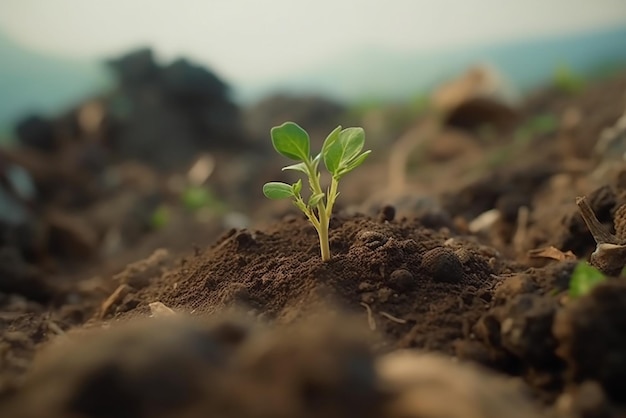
x: 78, y: 182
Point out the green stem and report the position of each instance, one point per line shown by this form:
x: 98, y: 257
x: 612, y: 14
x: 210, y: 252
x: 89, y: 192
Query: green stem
x: 332, y: 195
x: 324, y: 218
x: 323, y: 235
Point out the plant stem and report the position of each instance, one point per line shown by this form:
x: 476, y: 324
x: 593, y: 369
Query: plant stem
x: 323, y: 233
x: 332, y: 195
x: 323, y: 217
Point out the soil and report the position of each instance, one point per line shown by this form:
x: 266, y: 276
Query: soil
x: 447, y: 294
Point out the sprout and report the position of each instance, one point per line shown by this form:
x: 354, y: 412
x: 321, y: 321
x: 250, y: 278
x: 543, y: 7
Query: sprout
x: 341, y: 153
x: 583, y: 279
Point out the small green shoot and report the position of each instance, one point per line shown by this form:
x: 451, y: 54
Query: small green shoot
x: 584, y: 278
x: 160, y: 217
x: 568, y: 81
x: 198, y: 197
x: 341, y: 153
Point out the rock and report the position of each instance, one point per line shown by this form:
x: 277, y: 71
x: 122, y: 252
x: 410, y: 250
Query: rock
x: 522, y: 328
x: 174, y: 366
x: 510, y: 287
x: 432, y: 386
x: 526, y: 329
x: 37, y: 132
x: 477, y: 98
x: 476, y: 113
x: 591, y: 338
x: 164, y: 115
x: 144, y: 369
x: 134, y: 67
x: 586, y: 401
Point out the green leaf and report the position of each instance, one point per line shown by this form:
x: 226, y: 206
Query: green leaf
x: 341, y: 151
x: 352, y: 164
x: 277, y: 190
x: 584, y: 278
x: 197, y: 197
x: 315, y: 199
x: 160, y: 217
x: 291, y: 141
x: 297, y: 167
x: 297, y: 187
x: 330, y: 139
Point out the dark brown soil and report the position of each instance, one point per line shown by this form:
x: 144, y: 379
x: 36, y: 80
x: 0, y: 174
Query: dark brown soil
x: 427, y: 308
x: 417, y: 286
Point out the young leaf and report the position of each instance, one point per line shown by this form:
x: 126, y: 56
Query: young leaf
x: 315, y: 162
x: 345, y: 148
x: 297, y: 187
x: 315, y: 199
x: 331, y: 139
x: 276, y: 190
x: 584, y: 278
x: 297, y: 167
x: 352, y: 164
x: 291, y: 141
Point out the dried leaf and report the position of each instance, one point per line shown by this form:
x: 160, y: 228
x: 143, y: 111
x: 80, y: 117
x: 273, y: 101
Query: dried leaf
x: 552, y: 253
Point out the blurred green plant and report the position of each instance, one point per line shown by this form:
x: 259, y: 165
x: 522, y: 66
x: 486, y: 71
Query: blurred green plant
x: 584, y: 278
x: 196, y: 197
x: 160, y: 217
x: 341, y: 153
x: 567, y: 81
x: 537, y: 125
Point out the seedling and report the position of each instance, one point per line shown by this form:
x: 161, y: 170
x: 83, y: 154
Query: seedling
x: 584, y: 278
x: 341, y: 153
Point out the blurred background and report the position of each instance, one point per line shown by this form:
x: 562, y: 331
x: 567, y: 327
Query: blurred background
x: 126, y: 119
x: 53, y: 53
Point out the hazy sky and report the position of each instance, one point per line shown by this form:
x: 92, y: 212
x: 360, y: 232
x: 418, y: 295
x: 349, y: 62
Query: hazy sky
x: 246, y: 40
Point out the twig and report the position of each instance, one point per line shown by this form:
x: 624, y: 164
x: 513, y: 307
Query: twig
x: 119, y: 293
x: 393, y: 318
x: 55, y: 328
x: 370, y: 317
x: 600, y: 234
x: 519, y: 238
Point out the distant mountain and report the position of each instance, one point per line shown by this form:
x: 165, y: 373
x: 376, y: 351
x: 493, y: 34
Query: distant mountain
x: 34, y: 82
x: 385, y: 74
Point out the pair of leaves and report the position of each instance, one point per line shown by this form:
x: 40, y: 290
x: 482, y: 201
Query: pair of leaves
x: 342, y: 150
x: 341, y: 153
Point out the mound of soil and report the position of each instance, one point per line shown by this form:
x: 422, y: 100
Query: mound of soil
x: 419, y: 287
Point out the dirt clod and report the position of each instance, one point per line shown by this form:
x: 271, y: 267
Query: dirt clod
x: 443, y: 265
x: 387, y: 213
x: 371, y: 239
x: 598, y: 317
x: 402, y: 279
